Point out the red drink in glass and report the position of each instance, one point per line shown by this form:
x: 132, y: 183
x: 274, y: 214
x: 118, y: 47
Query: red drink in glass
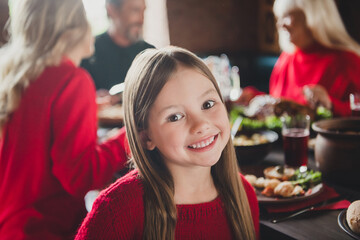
x: 355, y: 111
x: 295, y: 142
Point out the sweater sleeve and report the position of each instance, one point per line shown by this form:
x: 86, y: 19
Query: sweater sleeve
x: 253, y: 203
x: 79, y: 162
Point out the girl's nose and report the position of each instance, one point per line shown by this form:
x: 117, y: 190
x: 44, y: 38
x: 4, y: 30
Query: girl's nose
x: 199, y: 125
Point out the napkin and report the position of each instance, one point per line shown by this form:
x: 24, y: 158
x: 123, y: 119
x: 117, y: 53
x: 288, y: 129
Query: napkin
x: 326, y: 194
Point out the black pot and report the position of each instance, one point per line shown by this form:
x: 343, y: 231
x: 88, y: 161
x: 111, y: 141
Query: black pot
x: 337, y: 150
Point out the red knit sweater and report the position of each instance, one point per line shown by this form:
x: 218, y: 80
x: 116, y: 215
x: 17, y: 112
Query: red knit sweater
x: 337, y: 71
x: 118, y: 213
x: 49, y: 157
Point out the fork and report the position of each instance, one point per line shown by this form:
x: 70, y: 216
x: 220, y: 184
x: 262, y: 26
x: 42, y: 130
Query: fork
x: 293, y: 215
x: 308, y: 209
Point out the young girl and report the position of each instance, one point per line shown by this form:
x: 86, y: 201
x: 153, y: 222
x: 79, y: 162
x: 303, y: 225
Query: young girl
x: 186, y: 184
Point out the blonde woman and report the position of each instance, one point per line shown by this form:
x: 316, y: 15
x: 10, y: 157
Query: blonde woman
x: 186, y: 184
x: 320, y: 63
x: 49, y: 156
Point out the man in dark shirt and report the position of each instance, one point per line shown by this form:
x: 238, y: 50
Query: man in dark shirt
x: 116, y: 49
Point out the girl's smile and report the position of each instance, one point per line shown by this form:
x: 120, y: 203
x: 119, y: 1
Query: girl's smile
x: 204, y: 145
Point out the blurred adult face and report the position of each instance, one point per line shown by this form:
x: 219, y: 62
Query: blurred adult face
x: 294, y: 22
x: 129, y: 19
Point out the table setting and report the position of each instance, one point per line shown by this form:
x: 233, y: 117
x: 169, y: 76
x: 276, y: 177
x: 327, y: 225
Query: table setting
x: 326, y: 147
x: 304, y: 215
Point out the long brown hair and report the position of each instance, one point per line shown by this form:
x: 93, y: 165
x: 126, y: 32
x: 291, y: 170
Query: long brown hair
x: 144, y: 81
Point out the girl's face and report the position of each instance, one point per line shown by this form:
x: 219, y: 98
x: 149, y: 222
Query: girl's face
x: 188, y: 123
x: 294, y: 23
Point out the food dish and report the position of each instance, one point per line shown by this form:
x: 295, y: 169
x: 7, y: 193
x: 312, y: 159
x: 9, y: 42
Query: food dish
x: 253, y: 154
x: 273, y: 172
x: 344, y: 226
x: 274, y: 200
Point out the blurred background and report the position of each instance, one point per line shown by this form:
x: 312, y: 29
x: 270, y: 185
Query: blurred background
x: 244, y: 30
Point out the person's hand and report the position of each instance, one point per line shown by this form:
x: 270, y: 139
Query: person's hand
x: 246, y: 95
x: 317, y: 95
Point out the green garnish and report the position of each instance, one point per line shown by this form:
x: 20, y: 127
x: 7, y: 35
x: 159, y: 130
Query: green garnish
x: 306, y: 179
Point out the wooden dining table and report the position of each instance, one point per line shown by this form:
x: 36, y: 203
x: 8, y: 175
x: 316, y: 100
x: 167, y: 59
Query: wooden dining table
x: 311, y: 225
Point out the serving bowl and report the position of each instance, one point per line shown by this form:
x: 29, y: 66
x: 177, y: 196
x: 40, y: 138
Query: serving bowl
x: 254, y: 153
x: 337, y: 150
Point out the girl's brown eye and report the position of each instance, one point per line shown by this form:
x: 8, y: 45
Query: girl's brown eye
x: 175, y: 117
x: 208, y: 104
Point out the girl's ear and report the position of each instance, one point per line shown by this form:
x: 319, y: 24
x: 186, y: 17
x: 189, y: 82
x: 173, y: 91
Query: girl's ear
x: 146, y: 141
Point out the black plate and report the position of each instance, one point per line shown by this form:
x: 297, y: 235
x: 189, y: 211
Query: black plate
x: 344, y: 226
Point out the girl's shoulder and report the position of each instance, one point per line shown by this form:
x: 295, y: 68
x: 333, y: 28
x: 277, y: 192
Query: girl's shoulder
x: 121, y: 196
x: 117, y: 211
x: 128, y: 186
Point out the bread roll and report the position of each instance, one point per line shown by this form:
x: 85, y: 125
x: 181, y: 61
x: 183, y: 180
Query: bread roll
x: 251, y: 179
x: 353, y: 216
x: 284, y: 189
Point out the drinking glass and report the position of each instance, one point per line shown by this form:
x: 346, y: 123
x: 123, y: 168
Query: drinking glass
x: 295, y: 132
x: 355, y: 104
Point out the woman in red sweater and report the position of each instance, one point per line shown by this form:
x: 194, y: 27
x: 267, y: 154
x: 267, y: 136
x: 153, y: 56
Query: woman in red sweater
x: 320, y: 63
x: 49, y: 156
x: 187, y: 183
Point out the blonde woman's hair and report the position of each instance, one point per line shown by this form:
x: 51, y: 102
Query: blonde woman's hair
x: 41, y: 33
x: 323, y: 20
x: 146, y: 77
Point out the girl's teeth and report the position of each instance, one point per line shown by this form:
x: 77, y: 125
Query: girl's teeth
x: 203, y: 144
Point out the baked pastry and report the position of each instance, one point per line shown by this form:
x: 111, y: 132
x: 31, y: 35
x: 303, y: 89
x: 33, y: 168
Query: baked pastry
x: 284, y: 189
x: 251, y: 179
x: 271, y: 183
x: 353, y: 216
x: 279, y: 172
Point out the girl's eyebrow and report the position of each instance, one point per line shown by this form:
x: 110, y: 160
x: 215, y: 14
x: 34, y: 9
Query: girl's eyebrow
x: 166, y: 108
x: 209, y: 91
